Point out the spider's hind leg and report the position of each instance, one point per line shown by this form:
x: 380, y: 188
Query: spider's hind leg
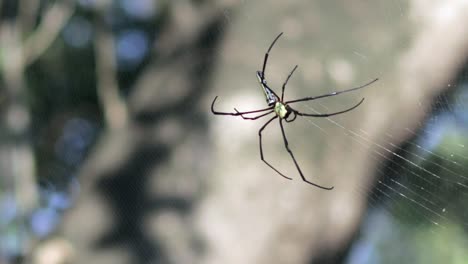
x: 286, y: 144
x: 261, y: 149
x: 253, y: 118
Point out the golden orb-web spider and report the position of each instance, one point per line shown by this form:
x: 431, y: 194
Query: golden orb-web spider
x: 283, y: 110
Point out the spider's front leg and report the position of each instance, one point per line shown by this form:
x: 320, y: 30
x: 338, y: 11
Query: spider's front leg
x: 329, y: 114
x: 310, y: 98
x: 237, y: 113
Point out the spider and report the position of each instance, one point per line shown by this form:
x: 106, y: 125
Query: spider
x: 283, y: 111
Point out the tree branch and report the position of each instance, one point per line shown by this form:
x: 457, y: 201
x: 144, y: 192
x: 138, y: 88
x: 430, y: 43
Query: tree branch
x: 53, y: 22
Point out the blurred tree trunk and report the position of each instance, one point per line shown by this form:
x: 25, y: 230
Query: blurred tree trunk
x: 23, y: 38
x: 179, y: 185
x: 137, y: 197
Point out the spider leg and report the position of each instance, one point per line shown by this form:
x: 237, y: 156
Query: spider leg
x: 286, y: 82
x: 255, y: 117
x: 331, y: 94
x: 237, y: 113
x: 268, y: 52
x: 294, y: 112
x: 261, y: 149
x: 286, y: 144
x: 329, y: 114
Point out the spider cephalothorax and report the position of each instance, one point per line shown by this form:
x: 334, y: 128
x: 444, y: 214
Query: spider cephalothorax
x: 283, y: 111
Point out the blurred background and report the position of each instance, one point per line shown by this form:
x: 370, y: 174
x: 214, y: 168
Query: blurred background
x: 109, y: 152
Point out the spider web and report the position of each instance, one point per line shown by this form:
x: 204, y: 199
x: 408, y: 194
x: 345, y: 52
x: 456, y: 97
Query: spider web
x: 421, y: 186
